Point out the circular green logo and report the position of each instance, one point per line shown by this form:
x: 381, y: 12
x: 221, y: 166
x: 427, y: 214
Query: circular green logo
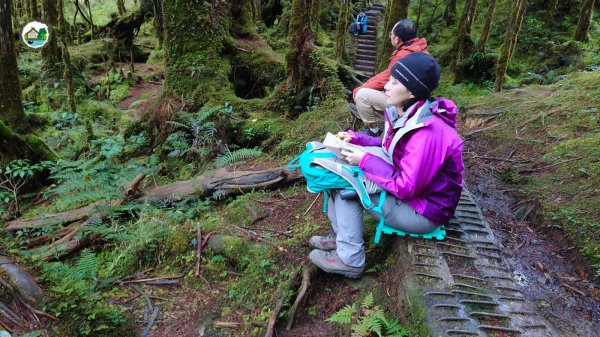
x: 35, y: 34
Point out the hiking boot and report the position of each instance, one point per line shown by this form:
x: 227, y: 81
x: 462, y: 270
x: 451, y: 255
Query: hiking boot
x: 326, y: 243
x: 367, y: 131
x: 353, y: 110
x: 331, y: 263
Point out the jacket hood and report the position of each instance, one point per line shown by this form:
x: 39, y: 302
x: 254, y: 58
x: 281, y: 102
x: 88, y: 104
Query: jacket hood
x: 446, y: 110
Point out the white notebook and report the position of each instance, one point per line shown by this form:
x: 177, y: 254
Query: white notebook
x: 334, y: 144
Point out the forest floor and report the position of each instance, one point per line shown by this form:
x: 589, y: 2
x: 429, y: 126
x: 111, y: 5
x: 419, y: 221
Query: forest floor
x: 552, y: 274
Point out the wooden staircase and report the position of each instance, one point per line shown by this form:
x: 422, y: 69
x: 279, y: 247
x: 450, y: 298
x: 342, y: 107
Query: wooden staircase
x: 366, y: 47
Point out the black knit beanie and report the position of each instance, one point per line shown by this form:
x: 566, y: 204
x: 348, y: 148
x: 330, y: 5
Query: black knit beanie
x: 419, y: 73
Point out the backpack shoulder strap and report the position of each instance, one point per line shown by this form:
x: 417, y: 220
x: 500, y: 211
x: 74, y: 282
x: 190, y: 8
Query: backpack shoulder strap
x: 413, y: 123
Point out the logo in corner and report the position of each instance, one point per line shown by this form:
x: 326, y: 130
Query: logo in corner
x: 35, y: 34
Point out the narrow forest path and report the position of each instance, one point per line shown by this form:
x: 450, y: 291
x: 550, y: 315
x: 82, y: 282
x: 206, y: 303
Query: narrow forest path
x: 147, y: 89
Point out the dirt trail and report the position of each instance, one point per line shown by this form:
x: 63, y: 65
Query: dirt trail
x: 551, y: 273
x: 147, y: 89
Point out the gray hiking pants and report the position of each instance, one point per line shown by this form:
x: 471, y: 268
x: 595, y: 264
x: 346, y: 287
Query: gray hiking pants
x: 347, y: 221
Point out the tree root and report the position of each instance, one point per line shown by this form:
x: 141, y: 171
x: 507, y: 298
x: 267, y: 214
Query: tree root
x: 274, y: 315
x: 306, y: 274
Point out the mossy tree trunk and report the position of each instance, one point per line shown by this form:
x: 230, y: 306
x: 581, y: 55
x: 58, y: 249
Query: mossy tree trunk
x: 550, y: 12
x: 256, y: 10
x: 510, y: 38
x: 244, y: 22
x: 121, y: 7
x: 419, y: 11
x: 585, y: 17
x: 33, y: 9
x: 463, y: 45
x: 301, y: 45
x: 397, y: 9
x: 68, y: 74
x: 50, y: 52
x: 315, y: 11
x: 432, y: 17
x: 157, y: 7
x: 485, y: 32
x: 519, y: 23
x: 343, y: 14
x: 11, y: 107
x: 90, y: 18
x: 450, y: 12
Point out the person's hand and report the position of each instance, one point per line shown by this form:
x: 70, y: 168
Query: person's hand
x: 354, y: 156
x: 345, y: 136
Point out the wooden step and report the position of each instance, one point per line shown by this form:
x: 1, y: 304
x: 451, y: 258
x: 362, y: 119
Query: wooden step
x: 364, y: 68
x: 365, y: 63
x: 366, y: 58
x: 366, y: 53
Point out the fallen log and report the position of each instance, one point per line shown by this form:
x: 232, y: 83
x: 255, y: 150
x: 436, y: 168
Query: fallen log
x: 232, y: 182
x: 22, y: 282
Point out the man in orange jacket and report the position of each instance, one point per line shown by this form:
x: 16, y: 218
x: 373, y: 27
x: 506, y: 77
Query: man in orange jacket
x: 369, y: 97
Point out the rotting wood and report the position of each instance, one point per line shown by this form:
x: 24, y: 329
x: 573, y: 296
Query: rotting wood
x: 273, y: 319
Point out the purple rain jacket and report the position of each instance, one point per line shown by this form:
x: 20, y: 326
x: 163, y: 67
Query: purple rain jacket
x: 428, y: 169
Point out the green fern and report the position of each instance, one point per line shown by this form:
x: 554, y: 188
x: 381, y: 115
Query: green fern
x: 233, y: 156
x: 82, y: 182
x: 367, y: 320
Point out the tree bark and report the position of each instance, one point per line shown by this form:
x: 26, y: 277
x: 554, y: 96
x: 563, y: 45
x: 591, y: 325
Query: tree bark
x: 50, y: 52
x: 11, y: 107
x: 419, y: 11
x: 519, y: 23
x: 66, y: 57
x: 463, y: 45
x: 157, y: 7
x: 550, y: 12
x: 510, y: 38
x: 397, y: 9
x: 301, y: 45
x: 343, y: 14
x: 450, y: 12
x: 585, y: 17
x: 121, y: 7
x: 432, y: 16
x: 33, y: 10
x: 315, y: 11
x: 91, y: 19
x: 486, y: 26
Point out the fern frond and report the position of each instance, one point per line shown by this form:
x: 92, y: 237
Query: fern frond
x: 372, y: 324
x: 368, y: 301
x: 359, y: 330
x: 344, y: 316
x: 232, y: 157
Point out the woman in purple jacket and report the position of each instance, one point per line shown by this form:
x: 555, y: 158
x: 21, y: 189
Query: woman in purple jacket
x: 423, y: 171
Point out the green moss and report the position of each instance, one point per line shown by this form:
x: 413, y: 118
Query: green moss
x: 567, y: 139
x: 119, y: 92
x: 5, y: 131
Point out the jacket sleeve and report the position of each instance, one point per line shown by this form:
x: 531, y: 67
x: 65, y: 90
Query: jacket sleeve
x: 414, y: 167
x: 361, y: 139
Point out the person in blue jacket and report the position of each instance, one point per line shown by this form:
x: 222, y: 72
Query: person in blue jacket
x: 361, y: 21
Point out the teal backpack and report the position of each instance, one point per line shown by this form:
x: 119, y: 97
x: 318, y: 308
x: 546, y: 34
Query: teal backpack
x: 324, y: 171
